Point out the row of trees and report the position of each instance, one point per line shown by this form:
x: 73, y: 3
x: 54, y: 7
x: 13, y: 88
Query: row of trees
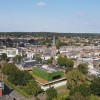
x: 49, y: 34
x: 22, y: 79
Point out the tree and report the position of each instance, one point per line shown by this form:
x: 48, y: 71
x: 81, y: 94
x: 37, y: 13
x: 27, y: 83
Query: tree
x: 95, y: 86
x: 68, y: 69
x: 63, y: 61
x: 51, y: 93
x: 8, y: 69
x: 69, y: 62
x: 16, y: 78
x: 27, y: 77
x: 83, y: 89
x: 17, y: 58
x: 3, y: 56
x: 20, y: 77
x: 77, y: 96
x: 75, y: 78
x: 83, y: 68
x: 32, y: 88
x: 38, y: 58
x: 49, y: 61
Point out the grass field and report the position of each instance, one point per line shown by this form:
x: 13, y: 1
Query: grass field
x: 38, y: 78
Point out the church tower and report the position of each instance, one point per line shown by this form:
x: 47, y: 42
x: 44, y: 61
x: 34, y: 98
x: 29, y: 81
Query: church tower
x: 53, y: 51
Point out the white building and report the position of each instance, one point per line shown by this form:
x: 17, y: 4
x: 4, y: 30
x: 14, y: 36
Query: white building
x: 30, y: 54
x: 11, y: 52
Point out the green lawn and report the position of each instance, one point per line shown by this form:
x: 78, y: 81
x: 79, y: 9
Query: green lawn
x: 61, y: 88
x: 38, y: 78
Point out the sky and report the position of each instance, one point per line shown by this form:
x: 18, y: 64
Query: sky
x: 78, y: 16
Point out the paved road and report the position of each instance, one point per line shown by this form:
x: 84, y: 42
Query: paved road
x: 16, y: 96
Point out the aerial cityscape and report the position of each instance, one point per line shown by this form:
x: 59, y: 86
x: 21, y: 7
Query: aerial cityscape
x: 49, y: 50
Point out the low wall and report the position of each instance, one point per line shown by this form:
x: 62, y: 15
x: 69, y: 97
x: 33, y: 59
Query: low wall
x: 53, y: 84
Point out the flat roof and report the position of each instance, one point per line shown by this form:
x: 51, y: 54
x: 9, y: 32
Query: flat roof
x: 47, y: 68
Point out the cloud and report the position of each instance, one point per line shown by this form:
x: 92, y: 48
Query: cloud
x: 40, y: 4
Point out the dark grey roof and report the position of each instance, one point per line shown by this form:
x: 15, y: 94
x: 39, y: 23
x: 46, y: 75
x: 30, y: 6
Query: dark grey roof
x: 28, y: 63
x: 20, y: 50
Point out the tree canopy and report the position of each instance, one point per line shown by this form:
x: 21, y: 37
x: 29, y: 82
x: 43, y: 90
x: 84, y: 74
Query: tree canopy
x: 8, y: 69
x: 63, y: 61
x: 51, y: 93
x: 3, y: 56
x: 95, y: 86
x: 83, y: 68
x: 77, y: 96
x: 20, y: 77
x: 32, y: 88
x: 75, y: 78
x: 83, y: 89
x: 17, y: 58
x: 38, y: 58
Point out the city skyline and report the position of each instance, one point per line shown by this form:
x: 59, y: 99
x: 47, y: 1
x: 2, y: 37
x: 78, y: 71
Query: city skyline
x: 50, y: 16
